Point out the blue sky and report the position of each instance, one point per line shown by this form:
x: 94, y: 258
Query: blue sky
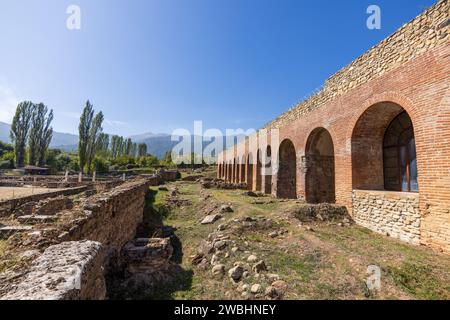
x: 158, y: 65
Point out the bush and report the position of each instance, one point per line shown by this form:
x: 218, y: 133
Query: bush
x: 100, y: 165
x: 6, y: 164
x: 5, y: 148
x: 74, y: 165
x: 123, y: 161
x: 148, y: 161
x: 62, y: 162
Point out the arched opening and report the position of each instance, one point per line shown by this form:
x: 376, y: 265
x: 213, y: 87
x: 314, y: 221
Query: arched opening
x: 233, y: 178
x: 319, y: 163
x: 268, y: 171
x: 258, y: 171
x: 384, y: 150
x: 399, y: 155
x: 242, y: 171
x: 249, y: 171
x: 287, y: 171
x: 230, y: 171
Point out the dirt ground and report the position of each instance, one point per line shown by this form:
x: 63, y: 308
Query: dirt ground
x: 307, y: 260
x: 7, y: 193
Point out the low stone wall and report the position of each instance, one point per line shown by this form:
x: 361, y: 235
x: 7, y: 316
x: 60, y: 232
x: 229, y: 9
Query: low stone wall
x: 112, y: 217
x: 92, y: 239
x: 8, y: 206
x: 395, y: 214
x: 169, y: 175
x: 162, y: 177
x: 67, y: 271
x: 103, y: 186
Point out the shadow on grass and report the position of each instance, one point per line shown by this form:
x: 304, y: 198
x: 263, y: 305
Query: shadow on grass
x: 181, y: 280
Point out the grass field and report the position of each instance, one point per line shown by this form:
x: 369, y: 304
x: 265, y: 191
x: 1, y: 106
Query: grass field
x: 317, y: 261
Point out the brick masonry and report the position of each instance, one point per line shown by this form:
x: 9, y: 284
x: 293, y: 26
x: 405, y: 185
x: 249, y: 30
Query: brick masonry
x: 408, y: 71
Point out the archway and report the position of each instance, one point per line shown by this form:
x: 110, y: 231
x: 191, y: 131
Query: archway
x: 249, y: 171
x: 230, y: 171
x: 384, y: 150
x: 287, y: 171
x: 320, y: 171
x: 233, y: 178
x: 258, y: 171
x: 268, y: 171
x: 242, y: 171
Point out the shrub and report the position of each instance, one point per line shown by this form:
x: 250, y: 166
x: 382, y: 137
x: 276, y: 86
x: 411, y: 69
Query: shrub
x: 100, y: 165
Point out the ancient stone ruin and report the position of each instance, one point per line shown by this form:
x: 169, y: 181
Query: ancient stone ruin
x: 74, y: 241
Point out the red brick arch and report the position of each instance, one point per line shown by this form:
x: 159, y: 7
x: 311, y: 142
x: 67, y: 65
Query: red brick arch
x: 320, y: 167
x: 366, y: 140
x: 390, y: 96
x: 287, y: 170
x: 268, y: 175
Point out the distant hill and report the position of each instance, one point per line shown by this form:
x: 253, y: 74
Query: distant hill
x: 157, y: 144
x: 65, y: 141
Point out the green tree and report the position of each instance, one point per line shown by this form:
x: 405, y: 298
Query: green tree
x: 142, y: 150
x: 6, y: 156
x: 133, y: 150
x: 5, y: 148
x: 115, y: 146
x: 168, y: 158
x: 41, y: 134
x: 103, y: 145
x: 122, y: 147
x: 100, y: 165
x: 94, y: 135
x: 84, y: 130
x: 20, y: 130
x: 46, y: 138
x: 128, y: 147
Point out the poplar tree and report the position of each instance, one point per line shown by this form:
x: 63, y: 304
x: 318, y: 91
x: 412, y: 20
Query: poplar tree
x: 41, y: 134
x: 20, y: 129
x: 94, y: 134
x: 142, y: 150
x: 84, y: 130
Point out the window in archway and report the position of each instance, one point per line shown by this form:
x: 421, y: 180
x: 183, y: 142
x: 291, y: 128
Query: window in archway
x: 399, y: 151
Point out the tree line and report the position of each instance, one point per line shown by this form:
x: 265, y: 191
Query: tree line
x: 31, y: 129
x: 31, y: 134
x: 94, y: 143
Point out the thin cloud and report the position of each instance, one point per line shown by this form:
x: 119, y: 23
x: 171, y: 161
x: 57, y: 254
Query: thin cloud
x: 72, y: 115
x: 115, y: 123
x: 8, y: 103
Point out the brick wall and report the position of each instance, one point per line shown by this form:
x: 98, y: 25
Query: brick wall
x: 406, y: 72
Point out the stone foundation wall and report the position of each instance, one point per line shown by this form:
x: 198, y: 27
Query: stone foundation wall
x: 67, y: 271
x: 391, y: 213
x: 112, y: 217
x: 94, y: 238
x: 7, y: 207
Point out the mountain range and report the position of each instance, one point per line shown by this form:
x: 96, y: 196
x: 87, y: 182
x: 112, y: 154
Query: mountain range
x: 157, y: 144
